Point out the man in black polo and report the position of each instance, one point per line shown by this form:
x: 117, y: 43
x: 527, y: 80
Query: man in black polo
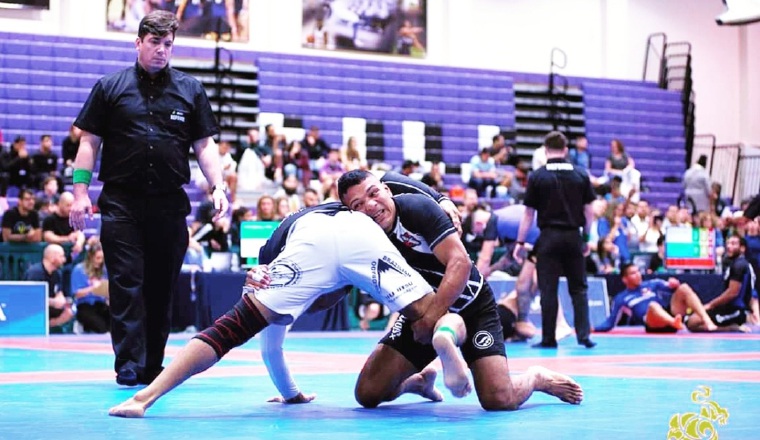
x: 562, y: 195
x: 146, y: 116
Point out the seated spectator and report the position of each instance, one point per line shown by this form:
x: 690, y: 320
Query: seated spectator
x: 698, y: 186
x: 45, y: 162
x: 469, y: 202
x: 661, y: 306
x: 615, y: 195
x: 501, y: 152
x: 22, y: 223
x: 49, y: 271
x: 717, y: 204
x: 483, y: 173
x: 289, y: 191
x: 618, y: 229
x: 296, y: 162
x: 89, y: 287
x: 650, y: 237
x: 351, y: 157
x: 271, y: 153
x: 229, y: 168
x: 641, y: 218
x: 607, y: 256
x: 19, y: 165
x: 283, y: 208
x: 204, y: 214
x: 619, y: 164
x: 409, y: 168
x: 709, y: 221
x: 56, y: 228
x: 579, y: 156
x: 671, y: 217
x: 730, y: 308
x: 310, y: 197
x: 331, y: 170
x: 657, y: 262
x: 239, y: 215
x: 317, y: 149
x: 434, y: 179
x: 480, y: 237
x: 684, y: 217
x: 265, y: 209
x: 50, y: 192
x: 69, y: 148
x: 515, y: 183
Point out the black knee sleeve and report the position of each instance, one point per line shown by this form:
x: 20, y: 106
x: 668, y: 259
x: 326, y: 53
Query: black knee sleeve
x: 234, y: 328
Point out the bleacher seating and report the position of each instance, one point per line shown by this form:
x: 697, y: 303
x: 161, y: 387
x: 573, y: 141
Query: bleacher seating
x: 45, y: 79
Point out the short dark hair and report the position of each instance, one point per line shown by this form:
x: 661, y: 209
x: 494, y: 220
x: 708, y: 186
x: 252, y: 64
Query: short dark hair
x: 351, y: 179
x: 555, y: 140
x: 702, y: 160
x: 45, y: 136
x: 159, y: 23
x: 624, y: 269
x: 24, y: 192
x: 742, y: 240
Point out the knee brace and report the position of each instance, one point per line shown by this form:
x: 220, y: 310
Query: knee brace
x: 234, y: 328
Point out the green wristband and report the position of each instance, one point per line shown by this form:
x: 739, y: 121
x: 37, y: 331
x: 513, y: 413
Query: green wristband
x: 82, y: 176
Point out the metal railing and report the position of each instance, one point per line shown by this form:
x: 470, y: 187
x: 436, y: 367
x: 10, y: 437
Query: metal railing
x: 558, y: 86
x: 735, y: 167
x: 671, y: 63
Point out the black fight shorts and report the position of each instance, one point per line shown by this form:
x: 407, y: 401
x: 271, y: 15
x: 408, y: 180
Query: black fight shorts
x: 484, y: 334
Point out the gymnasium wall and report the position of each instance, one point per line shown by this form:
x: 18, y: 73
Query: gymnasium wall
x: 602, y: 38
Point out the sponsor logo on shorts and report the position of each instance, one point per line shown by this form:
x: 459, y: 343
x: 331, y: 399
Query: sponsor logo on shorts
x: 720, y: 319
x: 386, y: 268
x: 284, y: 273
x: 482, y: 340
x: 397, y: 326
x: 696, y: 425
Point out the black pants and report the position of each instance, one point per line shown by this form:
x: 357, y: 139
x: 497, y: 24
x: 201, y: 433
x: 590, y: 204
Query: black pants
x: 144, y: 241
x: 95, y: 318
x: 560, y: 251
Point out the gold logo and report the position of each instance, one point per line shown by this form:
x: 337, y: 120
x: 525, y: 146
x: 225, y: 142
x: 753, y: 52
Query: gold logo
x: 698, y: 426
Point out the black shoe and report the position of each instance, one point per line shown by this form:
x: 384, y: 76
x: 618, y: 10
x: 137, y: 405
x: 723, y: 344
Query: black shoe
x: 127, y: 377
x: 545, y: 344
x: 588, y: 343
x: 148, y: 377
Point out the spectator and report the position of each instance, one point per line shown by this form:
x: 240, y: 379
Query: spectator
x: 20, y: 164
x: 271, y: 152
x: 709, y: 221
x: 239, y: 215
x: 316, y: 147
x: 57, y: 230
x: 649, y: 239
x: 289, y: 191
x: 608, y: 256
x: 331, y: 170
x: 283, y: 208
x: 45, y: 162
x: 296, y: 161
x: 641, y: 219
x: 483, y: 173
x: 657, y: 262
x: 310, y: 197
x: 619, y: 164
x: 229, y: 168
x: 89, y: 287
x: 49, y: 271
x: 501, y: 152
x: 351, y: 156
x: 409, y: 168
x: 265, y: 209
x: 22, y: 223
x: 671, y: 217
x: 717, y: 204
x: 579, y: 156
x: 70, y: 146
x: 469, y: 202
x: 434, y: 179
x: 49, y: 194
x: 697, y: 185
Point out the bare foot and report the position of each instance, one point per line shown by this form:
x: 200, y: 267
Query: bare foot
x: 423, y: 384
x: 558, y: 385
x: 525, y: 329
x: 130, y: 408
x: 454, y: 369
x: 678, y: 323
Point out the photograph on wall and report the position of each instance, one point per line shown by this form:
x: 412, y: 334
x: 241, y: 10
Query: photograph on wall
x: 397, y: 27
x: 226, y: 20
x: 25, y: 4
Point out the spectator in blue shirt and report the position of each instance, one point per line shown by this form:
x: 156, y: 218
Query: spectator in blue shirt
x: 89, y: 286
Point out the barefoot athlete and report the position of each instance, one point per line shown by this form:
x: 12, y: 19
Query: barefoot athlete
x: 426, y: 237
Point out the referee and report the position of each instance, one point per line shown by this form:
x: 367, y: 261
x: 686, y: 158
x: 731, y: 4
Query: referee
x: 562, y: 195
x: 146, y: 117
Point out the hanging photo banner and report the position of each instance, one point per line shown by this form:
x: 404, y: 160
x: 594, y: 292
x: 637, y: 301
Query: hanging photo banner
x: 395, y: 27
x: 209, y: 19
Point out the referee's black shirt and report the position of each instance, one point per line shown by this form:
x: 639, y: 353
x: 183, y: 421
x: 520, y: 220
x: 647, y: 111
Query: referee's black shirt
x: 559, y: 191
x: 147, y: 126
